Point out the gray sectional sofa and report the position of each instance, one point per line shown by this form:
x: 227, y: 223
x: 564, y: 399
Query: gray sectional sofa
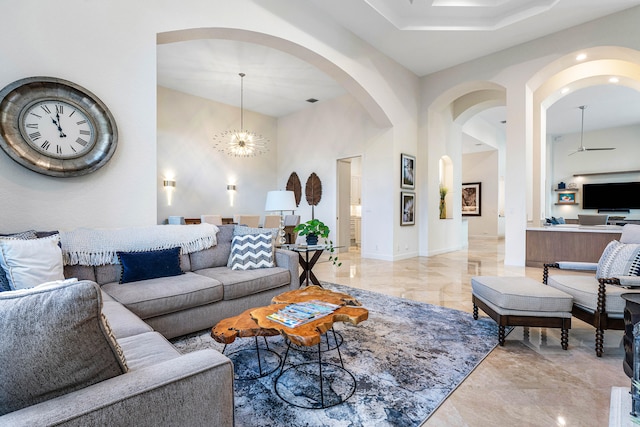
x: 158, y: 385
x: 208, y: 292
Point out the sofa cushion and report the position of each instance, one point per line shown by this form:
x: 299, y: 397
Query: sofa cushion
x: 520, y: 294
x: 251, y: 251
x: 28, y: 263
x: 216, y: 256
x: 149, y: 264
x: 66, y: 320
x: 123, y: 322
x: 619, y: 259
x: 584, y: 289
x: 240, y: 283
x: 149, y: 348
x: 154, y: 297
x: 630, y: 233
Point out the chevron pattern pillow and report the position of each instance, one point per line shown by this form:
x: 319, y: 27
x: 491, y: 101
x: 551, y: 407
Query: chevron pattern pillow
x: 619, y: 259
x: 251, y: 251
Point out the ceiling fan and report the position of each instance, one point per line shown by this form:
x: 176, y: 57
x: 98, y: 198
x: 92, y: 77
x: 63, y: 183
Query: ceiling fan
x: 582, y: 147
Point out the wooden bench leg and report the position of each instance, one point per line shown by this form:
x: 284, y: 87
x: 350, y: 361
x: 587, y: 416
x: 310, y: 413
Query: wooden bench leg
x: 599, y: 342
x: 564, y: 338
x: 501, y: 335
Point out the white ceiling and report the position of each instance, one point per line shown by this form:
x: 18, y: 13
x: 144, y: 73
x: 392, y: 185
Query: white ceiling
x: 423, y: 35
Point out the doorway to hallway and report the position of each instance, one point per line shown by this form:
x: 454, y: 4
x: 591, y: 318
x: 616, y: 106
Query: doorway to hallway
x: 349, y: 203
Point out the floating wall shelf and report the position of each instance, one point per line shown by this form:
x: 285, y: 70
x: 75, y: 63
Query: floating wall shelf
x: 605, y: 173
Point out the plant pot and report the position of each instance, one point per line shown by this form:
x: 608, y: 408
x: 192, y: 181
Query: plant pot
x: 312, y: 239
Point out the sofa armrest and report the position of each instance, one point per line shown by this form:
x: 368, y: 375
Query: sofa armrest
x: 193, y: 389
x: 289, y: 260
x: 572, y: 265
x: 624, y: 281
x: 568, y: 265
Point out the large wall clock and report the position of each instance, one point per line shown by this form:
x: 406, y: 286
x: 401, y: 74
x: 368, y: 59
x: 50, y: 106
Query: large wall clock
x: 56, y: 127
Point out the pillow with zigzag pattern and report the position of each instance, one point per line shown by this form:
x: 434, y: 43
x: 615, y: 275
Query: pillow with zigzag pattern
x: 251, y: 251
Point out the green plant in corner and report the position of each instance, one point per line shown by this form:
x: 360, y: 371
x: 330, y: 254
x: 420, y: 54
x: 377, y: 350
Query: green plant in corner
x: 315, y: 227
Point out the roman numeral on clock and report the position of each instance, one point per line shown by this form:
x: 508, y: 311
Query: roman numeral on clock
x: 46, y: 109
x: 45, y: 145
x: 59, y: 109
x: 81, y: 142
x: 35, y: 136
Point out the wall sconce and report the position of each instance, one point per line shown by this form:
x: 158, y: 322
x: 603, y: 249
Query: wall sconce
x: 169, y: 185
x: 231, y: 190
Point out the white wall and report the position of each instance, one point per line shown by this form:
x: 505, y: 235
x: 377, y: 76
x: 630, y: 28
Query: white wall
x: 315, y: 138
x: 186, y: 126
x: 625, y: 157
x: 109, y: 47
x: 483, y: 167
x: 513, y: 69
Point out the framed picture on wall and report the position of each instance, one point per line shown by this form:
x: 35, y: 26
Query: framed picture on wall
x: 471, y: 199
x: 407, y: 208
x: 407, y: 171
x: 567, y: 198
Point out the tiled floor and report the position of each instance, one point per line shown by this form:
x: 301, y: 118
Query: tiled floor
x: 528, y: 382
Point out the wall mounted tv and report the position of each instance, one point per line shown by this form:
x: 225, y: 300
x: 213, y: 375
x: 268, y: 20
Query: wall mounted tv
x: 611, y: 196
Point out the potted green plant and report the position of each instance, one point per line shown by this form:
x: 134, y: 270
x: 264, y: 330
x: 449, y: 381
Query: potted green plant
x: 315, y: 229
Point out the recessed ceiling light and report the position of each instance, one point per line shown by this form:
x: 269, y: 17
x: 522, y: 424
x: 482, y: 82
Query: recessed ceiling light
x: 312, y: 100
x: 564, y: 90
x: 581, y: 57
x: 614, y: 80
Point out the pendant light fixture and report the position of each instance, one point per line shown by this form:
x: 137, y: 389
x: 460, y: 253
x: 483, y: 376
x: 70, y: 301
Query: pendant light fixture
x: 241, y: 143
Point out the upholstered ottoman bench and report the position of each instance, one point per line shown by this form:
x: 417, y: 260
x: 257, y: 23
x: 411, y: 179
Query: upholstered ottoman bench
x: 520, y: 301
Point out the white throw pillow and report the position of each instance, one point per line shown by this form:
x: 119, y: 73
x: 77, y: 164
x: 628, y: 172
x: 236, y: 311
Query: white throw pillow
x: 28, y: 263
x: 619, y: 259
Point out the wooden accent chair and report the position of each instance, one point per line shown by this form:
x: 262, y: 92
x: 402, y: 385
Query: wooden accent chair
x: 597, y: 298
x: 271, y: 221
x: 211, y: 219
x: 248, y: 220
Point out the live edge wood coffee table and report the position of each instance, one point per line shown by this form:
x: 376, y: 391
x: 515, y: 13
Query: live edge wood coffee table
x: 243, y: 326
x: 310, y: 334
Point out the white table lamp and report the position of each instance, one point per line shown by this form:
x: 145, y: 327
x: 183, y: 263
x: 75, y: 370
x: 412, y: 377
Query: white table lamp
x: 279, y: 201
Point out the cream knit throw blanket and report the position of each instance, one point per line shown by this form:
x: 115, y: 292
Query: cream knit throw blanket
x: 86, y: 246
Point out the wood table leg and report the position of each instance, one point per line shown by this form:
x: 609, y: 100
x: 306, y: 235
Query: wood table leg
x: 307, y: 267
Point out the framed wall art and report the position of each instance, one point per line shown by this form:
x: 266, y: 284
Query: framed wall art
x: 407, y: 208
x: 407, y: 171
x: 567, y: 198
x: 471, y: 199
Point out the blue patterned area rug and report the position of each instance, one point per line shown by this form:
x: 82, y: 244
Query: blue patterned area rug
x: 406, y: 359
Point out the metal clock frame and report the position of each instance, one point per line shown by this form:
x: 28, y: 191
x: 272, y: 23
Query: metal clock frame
x: 19, y: 95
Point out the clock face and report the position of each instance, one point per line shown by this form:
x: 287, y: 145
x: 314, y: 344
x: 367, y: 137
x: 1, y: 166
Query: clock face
x: 57, y: 129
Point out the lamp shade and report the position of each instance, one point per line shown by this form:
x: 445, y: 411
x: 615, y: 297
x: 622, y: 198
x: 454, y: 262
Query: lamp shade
x: 280, y: 200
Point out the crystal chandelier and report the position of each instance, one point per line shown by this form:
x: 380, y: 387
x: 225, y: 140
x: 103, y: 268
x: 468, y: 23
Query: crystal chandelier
x: 241, y: 143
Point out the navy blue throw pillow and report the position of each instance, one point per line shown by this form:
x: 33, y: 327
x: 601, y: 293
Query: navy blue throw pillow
x: 149, y: 265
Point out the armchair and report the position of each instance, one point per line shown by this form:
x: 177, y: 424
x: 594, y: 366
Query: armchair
x: 597, y: 298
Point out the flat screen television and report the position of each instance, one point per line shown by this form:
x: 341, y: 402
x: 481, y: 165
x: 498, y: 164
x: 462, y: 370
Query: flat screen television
x: 611, y: 196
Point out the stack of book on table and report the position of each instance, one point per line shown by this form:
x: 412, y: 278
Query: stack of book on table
x: 303, y: 312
